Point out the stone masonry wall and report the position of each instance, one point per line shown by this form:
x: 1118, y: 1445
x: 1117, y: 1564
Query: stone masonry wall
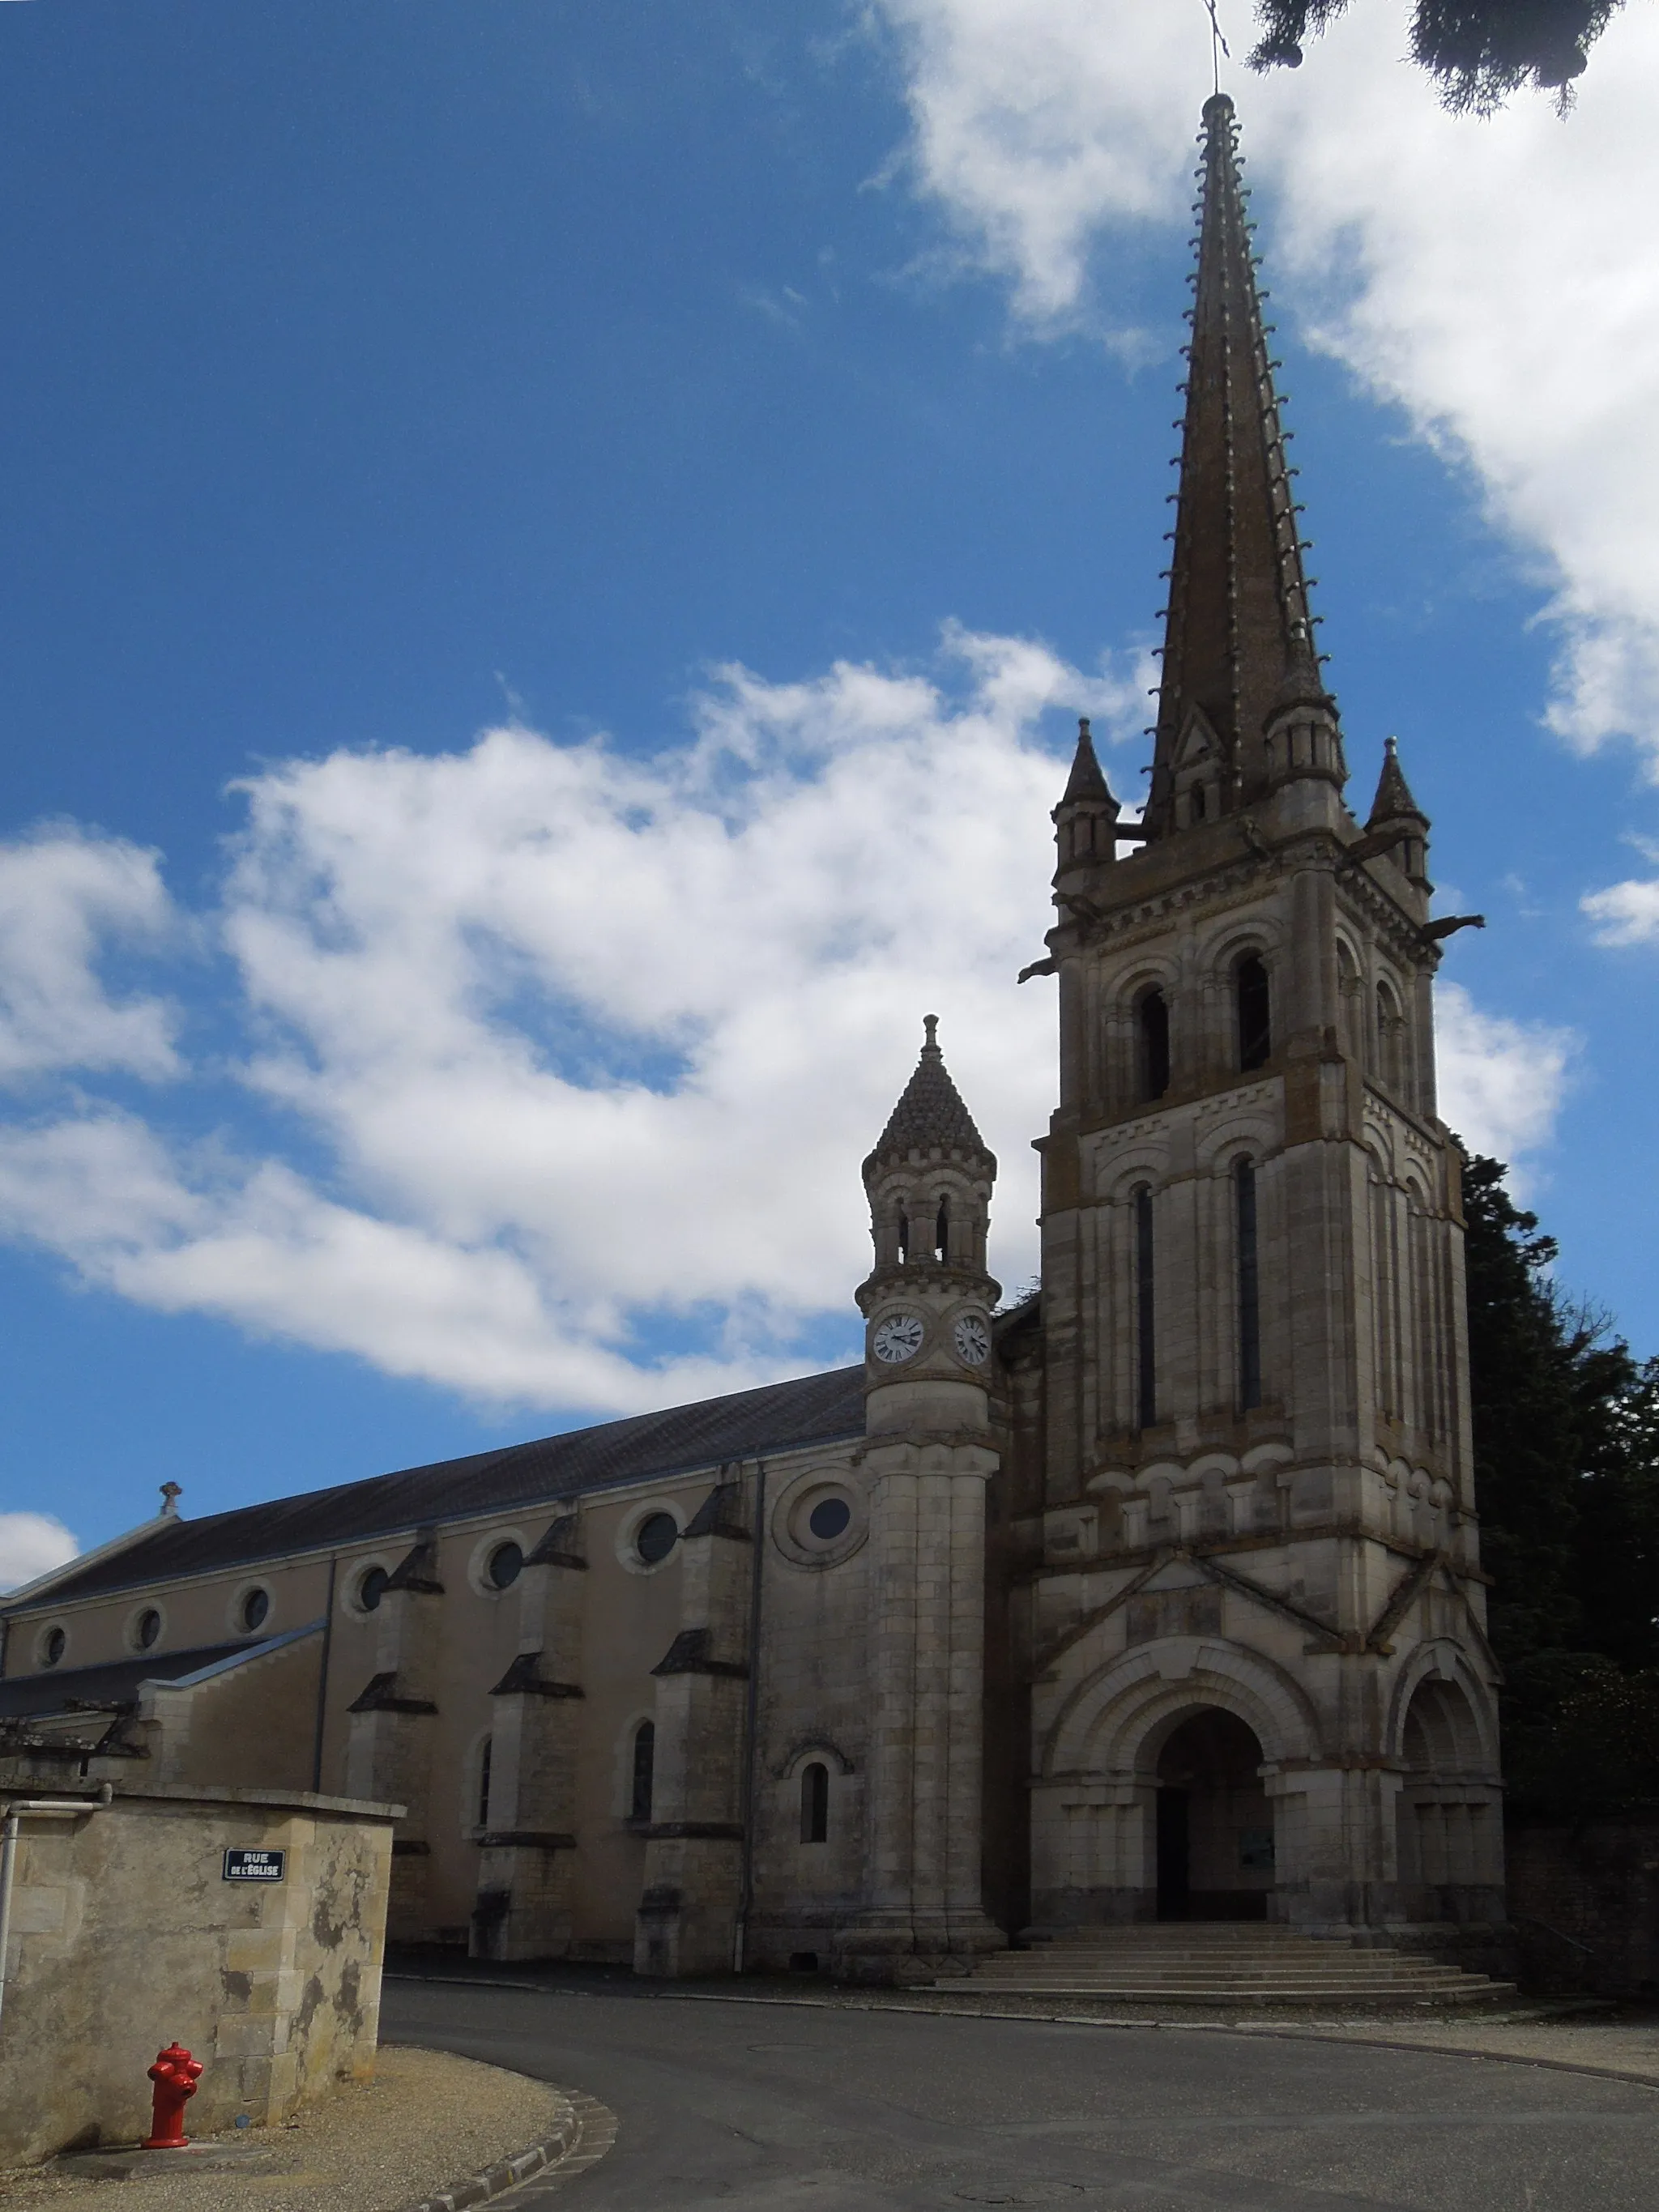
x: 126, y: 1935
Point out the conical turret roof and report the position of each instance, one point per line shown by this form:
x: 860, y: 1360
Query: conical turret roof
x: 930, y: 1115
x: 1087, y: 782
x: 1394, y: 801
x: 1238, y: 643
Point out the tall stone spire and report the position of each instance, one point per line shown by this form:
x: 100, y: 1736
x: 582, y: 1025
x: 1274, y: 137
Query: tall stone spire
x: 1238, y: 655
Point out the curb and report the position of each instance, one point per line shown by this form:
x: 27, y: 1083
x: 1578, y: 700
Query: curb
x: 583, y: 2133
x: 1264, y: 2031
x: 1243, y: 2028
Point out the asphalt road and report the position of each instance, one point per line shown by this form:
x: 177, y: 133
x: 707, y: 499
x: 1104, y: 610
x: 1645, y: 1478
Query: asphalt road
x: 759, y: 2108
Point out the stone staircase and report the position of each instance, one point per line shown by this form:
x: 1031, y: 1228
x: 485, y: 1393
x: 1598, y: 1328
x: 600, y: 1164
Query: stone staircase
x: 1234, y: 1964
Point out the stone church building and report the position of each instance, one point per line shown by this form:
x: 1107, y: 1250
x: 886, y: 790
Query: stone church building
x: 1155, y: 1595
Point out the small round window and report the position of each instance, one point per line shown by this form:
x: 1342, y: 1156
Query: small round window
x: 149, y: 1628
x: 251, y: 1612
x: 53, y: 1646
x: 656, y: 1537
x: 504, y: 1566
x: 830, y: 1518
x: 372, y: 1588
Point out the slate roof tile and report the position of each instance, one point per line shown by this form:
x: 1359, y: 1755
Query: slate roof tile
x: 781, y: 1417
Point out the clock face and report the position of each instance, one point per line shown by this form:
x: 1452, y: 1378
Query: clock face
x: 898, y: 1338
x: 973, y: 1341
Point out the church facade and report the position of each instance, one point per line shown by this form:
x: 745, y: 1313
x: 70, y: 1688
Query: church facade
x: 1156, y: 1595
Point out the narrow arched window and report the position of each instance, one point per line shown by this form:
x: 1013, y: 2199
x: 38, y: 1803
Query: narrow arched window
x: 942, y: 1231
x: 1152, y: 1020
x: 815, y: 1803
x: 645, y: 1756
x: 1250, y: 1303
x: 485, y: 1753
x: 1197, y: 802
x: 1146, y: 1345
x: 1352, y: 1004
x: 1254, y: 1014
x: 904, y: 1239
x: 1390, y: 1029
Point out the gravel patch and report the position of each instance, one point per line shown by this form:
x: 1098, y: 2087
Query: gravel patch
x: 426, y: 2121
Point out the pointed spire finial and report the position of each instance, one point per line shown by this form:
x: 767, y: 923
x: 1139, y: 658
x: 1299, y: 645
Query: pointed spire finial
x: 1394, y: 801
x: 930, y: 1116
x: 1087, y: 779
x: 1237, y: 643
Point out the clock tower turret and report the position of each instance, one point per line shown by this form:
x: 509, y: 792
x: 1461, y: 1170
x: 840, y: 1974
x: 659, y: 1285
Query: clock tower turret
x: 927, y: 1459
x: 927, y: 1299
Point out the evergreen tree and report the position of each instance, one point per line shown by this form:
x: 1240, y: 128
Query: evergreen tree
x: 1478, y: 51
x: 1566, y: 1464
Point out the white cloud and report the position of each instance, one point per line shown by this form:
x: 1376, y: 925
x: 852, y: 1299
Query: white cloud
x: 1502, y: 1082
x: 591, y: 1049
x: 578, y: 1054
x: 31, y: 1544
x: 1624, y: 914
x: 66, y: 895
x: 1495, y: 279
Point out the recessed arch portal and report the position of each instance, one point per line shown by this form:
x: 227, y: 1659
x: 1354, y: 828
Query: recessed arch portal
x: 1112, y: 1720
x: 1215, y: 1853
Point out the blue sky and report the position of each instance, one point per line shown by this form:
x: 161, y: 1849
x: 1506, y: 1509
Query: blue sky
x: 762, y: 426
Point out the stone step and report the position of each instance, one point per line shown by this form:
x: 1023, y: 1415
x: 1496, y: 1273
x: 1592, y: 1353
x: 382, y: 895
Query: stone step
x: 1339, y: 1969
x: 1095, y: 1962
x: 1143, y: 1993
x: 1294, y: 1985
x: 1181, y: 1963
x: 1180, y: 1934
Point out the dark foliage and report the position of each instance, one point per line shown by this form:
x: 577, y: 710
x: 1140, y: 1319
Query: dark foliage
x: 1566, y: 1464
x: 1478, y: 52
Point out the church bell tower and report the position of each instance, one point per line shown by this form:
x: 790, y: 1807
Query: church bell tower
x: 927, y: 1457
x: 1262, y: 1684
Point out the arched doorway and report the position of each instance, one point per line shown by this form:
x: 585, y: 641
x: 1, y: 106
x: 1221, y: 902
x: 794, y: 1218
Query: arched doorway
x: 1215, y: 1824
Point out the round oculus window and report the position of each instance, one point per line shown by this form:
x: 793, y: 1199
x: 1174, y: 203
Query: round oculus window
x: 830, y: 1518
x: 656, y: 1537
x: 505, y: 1565
x: 53, y: 1648
x: 251, y: 1613
x: 372, y: 1588
x: 149, y: 1628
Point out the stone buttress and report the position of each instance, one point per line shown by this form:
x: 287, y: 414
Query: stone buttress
x: 527, y: 1852
x: 688, y: 1915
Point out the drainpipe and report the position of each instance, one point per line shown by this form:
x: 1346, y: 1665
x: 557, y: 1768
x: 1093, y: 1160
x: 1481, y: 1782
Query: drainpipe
x: 746, y: 1891
x: 322, y: 1680
x: 46, y: 1808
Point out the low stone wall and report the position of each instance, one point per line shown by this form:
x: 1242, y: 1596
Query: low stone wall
x: 125, y: 1935
x: 1585, y: 1904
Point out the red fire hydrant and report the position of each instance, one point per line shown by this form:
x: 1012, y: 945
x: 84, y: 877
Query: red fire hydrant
x: 175, y: 2075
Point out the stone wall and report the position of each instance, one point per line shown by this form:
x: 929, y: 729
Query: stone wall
x: 125, y: 1935
x: 1585, y: 1904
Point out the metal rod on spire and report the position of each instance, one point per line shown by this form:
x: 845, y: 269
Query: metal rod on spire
x: 1217, y: 44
